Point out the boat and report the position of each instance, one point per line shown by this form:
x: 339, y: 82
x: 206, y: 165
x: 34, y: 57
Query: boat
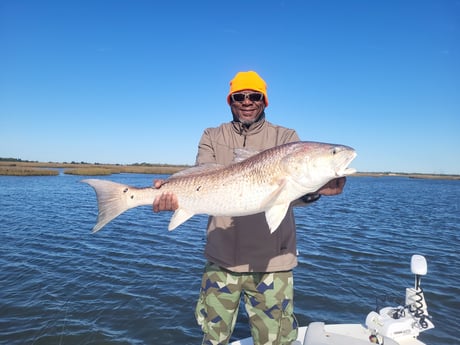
x: 393, y: 325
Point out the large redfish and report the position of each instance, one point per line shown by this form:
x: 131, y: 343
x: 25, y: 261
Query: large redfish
x: 266, y: 182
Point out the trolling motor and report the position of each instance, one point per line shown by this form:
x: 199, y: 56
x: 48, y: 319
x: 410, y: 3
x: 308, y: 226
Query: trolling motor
x: 404, y: 321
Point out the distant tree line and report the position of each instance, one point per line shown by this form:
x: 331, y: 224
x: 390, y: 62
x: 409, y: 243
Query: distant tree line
x: 16, y: 160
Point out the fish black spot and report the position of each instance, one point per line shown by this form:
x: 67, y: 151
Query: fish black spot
x: 132, y: 196
x: 198, y: 188
x: 125, y: 190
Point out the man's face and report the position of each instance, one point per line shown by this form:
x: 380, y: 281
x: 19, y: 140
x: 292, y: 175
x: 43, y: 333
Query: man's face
x: 247, y: 106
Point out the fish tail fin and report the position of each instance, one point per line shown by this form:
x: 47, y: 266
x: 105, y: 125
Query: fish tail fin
x: 112, y: 200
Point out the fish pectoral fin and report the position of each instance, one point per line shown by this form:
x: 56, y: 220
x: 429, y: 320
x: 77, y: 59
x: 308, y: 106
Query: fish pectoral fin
x: 275, y: 210
x: 273, y: 196
x: 179, y: 216
x: 275, y: 215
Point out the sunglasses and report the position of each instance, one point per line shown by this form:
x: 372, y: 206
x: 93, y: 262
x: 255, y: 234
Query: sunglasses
x: 241, y: 97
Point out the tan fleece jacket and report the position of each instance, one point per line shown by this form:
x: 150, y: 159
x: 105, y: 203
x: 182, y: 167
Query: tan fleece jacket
x: 245, y: 244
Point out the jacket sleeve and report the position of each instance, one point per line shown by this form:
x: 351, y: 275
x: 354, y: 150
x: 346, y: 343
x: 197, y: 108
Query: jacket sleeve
x: 206, y: 152
x: 292, y: 136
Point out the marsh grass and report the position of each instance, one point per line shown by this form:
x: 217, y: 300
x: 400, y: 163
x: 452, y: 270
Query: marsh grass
x: 89, y: 171
x: 50, y: 169
x: 26, y: 171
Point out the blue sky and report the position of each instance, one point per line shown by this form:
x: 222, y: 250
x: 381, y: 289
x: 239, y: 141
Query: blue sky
x: 130, y: 81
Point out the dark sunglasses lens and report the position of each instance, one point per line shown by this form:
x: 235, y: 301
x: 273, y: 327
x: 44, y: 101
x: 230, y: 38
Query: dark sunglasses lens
x: 255, y: 97
x: 238, y: 97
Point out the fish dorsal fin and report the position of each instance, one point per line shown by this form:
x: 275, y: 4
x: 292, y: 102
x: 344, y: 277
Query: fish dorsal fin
x: 198, y: 169
x: 240, y: 155
x: 179, y: 217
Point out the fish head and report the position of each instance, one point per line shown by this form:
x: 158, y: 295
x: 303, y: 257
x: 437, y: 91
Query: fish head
x: 313, y: 164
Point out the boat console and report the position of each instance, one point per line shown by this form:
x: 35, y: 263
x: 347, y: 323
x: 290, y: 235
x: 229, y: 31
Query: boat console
x: 399, y: 325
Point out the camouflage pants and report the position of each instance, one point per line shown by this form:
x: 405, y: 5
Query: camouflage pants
x: 268, y: 300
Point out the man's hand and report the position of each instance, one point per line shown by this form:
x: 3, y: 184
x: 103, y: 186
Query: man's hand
x: 166, y: 201
x: 333, y: 187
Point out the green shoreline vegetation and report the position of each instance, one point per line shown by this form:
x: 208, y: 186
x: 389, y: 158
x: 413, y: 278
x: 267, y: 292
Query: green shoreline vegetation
x: 18, y: 167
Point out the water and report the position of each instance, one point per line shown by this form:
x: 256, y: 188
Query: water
x: 136, y: 283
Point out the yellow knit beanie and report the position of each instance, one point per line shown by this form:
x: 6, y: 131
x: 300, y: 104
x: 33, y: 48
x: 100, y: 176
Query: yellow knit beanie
x: 249, y: 80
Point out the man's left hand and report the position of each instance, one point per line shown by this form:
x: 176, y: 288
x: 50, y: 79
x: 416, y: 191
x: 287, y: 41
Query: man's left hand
x: 333, y: 187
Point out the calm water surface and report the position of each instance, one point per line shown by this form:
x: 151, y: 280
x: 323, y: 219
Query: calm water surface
x: 136, y: 283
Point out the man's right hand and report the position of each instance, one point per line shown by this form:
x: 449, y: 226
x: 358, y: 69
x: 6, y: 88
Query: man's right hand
x: 166, y: 201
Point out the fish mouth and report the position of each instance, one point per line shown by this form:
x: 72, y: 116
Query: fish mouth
x: 345, y: 170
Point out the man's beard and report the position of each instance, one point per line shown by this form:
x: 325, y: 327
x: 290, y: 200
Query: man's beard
x: 249, y: 122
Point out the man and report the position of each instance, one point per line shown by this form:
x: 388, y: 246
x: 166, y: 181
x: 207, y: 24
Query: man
x: 244, y: 258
